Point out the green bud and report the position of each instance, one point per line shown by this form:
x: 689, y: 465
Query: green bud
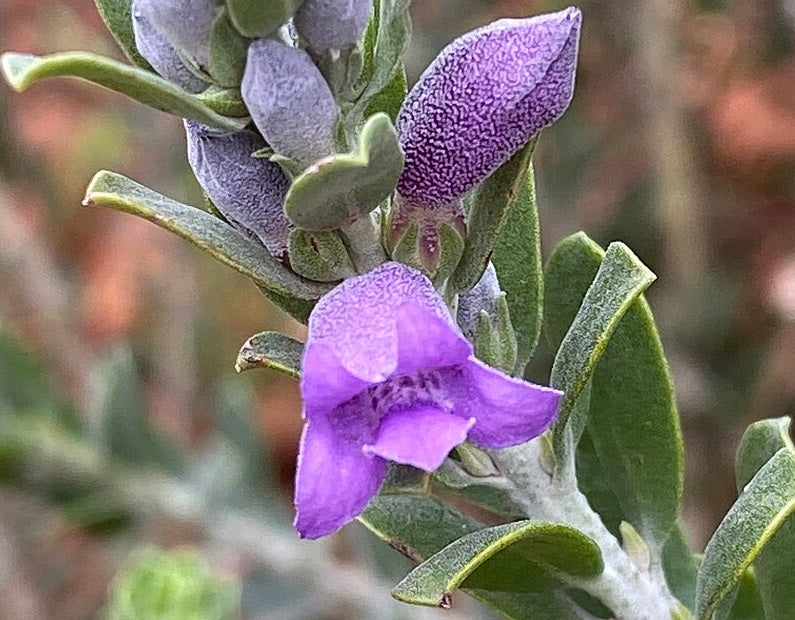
x: 495, y: 340
x: 319, y: 256
x: 259, y: 18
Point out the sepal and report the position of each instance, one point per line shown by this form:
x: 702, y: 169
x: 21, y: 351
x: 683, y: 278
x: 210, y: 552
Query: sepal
x: 256, y: 19
x: 320, y: 255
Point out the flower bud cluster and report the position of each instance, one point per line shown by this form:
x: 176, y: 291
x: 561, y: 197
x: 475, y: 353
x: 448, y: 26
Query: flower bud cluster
x: 206, y: 44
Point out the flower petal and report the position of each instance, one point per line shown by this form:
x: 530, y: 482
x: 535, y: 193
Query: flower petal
x: 248, y: 191
x: 508, y: 411
x: 484, y: 97
x: 357, y: 319
x: 334, y: 481
x: 290, y: 102
x: 422, y: 436
x: 427, y: 341
x: 325, y: 382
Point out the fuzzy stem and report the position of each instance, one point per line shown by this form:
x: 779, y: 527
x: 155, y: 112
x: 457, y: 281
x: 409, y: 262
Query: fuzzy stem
x: 631, y: 593
x: 363, y: 241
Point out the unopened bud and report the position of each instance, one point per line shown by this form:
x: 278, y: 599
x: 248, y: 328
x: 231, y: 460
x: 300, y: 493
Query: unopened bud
x: 248, y: 191
x: 289, y: 101
x: 332, y: 24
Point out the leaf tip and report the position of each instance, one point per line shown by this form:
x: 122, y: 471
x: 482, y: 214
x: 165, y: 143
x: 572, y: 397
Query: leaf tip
x: 15, y: 68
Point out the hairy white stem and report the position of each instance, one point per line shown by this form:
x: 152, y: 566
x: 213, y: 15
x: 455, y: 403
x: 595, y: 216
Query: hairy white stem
x: 631, y: 593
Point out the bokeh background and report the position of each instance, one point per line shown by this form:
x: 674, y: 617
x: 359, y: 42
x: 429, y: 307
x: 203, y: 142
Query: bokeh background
x: 122, y: 422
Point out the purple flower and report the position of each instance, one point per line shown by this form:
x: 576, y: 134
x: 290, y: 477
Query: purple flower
x: 161, y: 55
x: 289, y: 101
x: 186, y: 24
x: 332, y: 24
x: 248, y: 191
x: 387, y: 376
x: 484, y: 97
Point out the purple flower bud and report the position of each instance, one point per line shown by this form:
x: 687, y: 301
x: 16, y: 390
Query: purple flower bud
x: 248, y: 191
x: 332, y: 24
x: 161, y: 55
x: 484, y: 97
x: 186, y: 24
x: 383, y: 359
x: 483, y: 296
x: 289, y: 101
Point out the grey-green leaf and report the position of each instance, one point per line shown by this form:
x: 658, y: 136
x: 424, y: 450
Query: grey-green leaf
x: 621, y: 278
x: 638, y: 473
x: 271, y: 350
x: 774, y: 564
x: 765, y: 504
x: 117, y: 15
x: 343, y: 188
x: 680, y: 567
x: 487, y: 211
x: 207, y: 232
x: 521, y: 556
x: 433, y: 524
x: 391, y: 41
x: 24, y: 70
x: 228, y: 49
x: 517, y: 259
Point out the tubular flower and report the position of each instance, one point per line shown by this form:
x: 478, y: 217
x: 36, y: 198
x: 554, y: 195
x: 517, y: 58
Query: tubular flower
x: 161, y: 54
x: 289, y: 101
x: 248, y: 191
x: 332, y: 24
x: 387, y: 376
x: 484, y: 97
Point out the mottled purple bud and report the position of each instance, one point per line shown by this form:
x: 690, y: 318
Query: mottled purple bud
x: 332, y: 24
x: 485, y: 96
x: 483, y: 296
x: 161, y: 55
x: 289, y: 101
x: 186, y: 24
x: 248, y: 191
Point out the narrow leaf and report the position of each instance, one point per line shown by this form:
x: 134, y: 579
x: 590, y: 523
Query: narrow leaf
x: 433, y: 524
x: 751, y: 522
x: 24, y: 70
x: 271, y: 350
x: 680, y: 567
x: 207, y: 232
x: 521, y: 556
x: 117, y: 15
x: 517, y: 258
x: 627, y: 475
x: 488, y: 209
x: 774, y: 564
x: 620, y: 280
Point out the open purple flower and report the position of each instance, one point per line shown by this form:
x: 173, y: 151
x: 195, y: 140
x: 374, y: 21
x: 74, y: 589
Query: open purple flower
x: 483, y: 98
x: 248, y: 191
x: 387, y: 376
